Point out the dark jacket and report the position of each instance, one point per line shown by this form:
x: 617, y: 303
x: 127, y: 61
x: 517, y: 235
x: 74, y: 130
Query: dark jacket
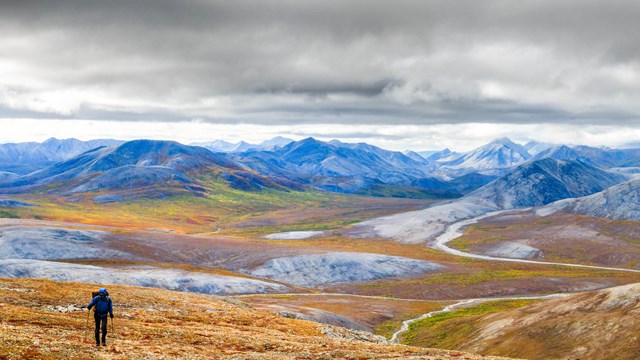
x: 103, y: 306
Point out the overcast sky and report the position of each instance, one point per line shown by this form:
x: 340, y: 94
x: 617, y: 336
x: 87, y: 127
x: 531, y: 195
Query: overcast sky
x: 399, y: 74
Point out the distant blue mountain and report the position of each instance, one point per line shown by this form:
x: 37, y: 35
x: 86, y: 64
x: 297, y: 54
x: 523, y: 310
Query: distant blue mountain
x: 498, y: 154
x: 603, y: 158
x: 140, y: 168
x: 23, y: 158
x: 158, y: 168
x: 337, y: 166
x: 242, y: 146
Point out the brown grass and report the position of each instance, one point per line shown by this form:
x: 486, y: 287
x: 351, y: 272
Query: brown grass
x: 152, y: 323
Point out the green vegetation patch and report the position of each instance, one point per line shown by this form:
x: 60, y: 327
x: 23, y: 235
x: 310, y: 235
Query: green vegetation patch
x: 397, y: 191
x: 474, y: 235
x: 451, y: 329
x: 8, y: 215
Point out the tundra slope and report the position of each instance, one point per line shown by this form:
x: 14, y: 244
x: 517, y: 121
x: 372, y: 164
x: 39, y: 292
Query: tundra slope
x: 593, y: 325
x: 621, y: 202
x: 173, y: 325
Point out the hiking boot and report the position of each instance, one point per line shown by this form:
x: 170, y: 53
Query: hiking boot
x: 97, y: 344
x: 104, y: 344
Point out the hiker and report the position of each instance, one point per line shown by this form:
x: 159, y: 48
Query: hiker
x: 103, y: 305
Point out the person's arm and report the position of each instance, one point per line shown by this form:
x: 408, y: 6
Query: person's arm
x: 111, y: 308
x: 93, y: 302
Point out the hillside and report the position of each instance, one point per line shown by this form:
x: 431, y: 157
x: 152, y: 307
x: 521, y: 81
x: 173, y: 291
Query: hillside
x: 593, y: 325
x: 41, y: 320
x: 544, y: 181
x: 619, y: 202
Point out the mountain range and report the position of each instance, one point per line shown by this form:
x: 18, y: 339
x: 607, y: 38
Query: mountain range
x: 23, y: 158
x: 502, y: 171
x: 242, y: 146
x: 140, y: 168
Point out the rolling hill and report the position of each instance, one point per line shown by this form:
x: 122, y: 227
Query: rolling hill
x: 621, y: 202
x: 591, y: 325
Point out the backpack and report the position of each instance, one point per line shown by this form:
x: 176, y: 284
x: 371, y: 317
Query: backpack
x: 97, y: 293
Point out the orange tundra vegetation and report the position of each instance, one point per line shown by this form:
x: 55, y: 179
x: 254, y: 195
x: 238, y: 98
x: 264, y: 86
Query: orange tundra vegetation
x: 39, y: 320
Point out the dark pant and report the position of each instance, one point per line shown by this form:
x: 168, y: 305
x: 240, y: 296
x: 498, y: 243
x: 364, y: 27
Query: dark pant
x: 102, y: 320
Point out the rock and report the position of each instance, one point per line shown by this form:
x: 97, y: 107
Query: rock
x: 62, y: 309
x: 350, y: 334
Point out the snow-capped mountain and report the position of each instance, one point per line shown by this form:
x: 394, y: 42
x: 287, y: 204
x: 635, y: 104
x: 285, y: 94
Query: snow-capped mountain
x: 23, y: 158
x: 603, y: 158
x: 217, y: 145
x: 498, y: 154
x: 414, y: 155
x: 620, y: 202
x: 534, y: 147
x: 443, y: 156
x: 242, y: 146
x: 561, y: 152
x: 276, y: 142
x: 543, y: 181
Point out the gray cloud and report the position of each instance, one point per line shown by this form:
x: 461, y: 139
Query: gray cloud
x: 398, y: 62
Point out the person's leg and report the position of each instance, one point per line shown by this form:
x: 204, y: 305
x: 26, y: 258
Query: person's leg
x: 97, y: 319
x: 104, y: 331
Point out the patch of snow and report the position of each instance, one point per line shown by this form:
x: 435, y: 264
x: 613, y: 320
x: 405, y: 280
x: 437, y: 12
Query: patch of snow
x: 340, y: 267
x: 146, y: 276
x: 21, y: 242
x: 294, y: 235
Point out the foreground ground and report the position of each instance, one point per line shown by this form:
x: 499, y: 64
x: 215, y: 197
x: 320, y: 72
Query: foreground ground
x: 41, y: 320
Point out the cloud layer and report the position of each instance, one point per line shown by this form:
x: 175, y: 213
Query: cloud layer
x: 329, y: 62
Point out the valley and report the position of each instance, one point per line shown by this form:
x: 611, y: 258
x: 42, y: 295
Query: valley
x: 179, y: 218
x: 293, y: 180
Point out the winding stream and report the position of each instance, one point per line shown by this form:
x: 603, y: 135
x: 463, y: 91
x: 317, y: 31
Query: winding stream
x: 462, y: 304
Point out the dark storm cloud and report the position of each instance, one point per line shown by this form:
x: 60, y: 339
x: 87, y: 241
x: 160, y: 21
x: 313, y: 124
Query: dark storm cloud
x: 412, y: 62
